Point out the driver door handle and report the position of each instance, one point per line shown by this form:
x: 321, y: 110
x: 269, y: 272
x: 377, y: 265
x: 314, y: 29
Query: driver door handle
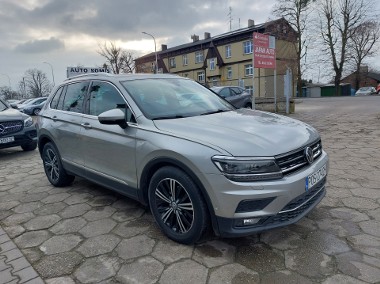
x: 86, y: 125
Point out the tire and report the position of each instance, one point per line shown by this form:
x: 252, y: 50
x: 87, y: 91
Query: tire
x: 54, y: 170
x: 248, y: 105
x: 29, y: 147
x: 177, y: 205
x: 36, y: 111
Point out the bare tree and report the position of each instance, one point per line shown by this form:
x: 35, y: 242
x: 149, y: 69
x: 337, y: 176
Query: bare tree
x: 296, y: 12
x: 118, y: 59
x: 35, y: 84
x: 8, y: 94
x: 362, y: 45
x: 338, y: 20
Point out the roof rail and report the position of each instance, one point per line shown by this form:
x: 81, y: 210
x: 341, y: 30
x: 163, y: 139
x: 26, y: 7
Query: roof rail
x: 89, y: 74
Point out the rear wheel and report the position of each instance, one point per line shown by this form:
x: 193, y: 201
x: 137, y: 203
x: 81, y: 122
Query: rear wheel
x: 177, y: 205
x: 248, y: 105
x: 54, y: 170
x: 36, y: 111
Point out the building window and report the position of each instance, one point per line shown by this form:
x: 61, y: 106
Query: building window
x: 199, y: 57
x: 212, y: 63
x: 214, y: 81
x: 184, y: 60
x: 249, y: 89
x: 201, y: 76
x: 248, y: 70
x: 247, y: 46
x: 172, y: 62
x: 228, y: 51
x: 229, y: 72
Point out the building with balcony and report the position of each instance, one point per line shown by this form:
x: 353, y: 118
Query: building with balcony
x: 226, y: 59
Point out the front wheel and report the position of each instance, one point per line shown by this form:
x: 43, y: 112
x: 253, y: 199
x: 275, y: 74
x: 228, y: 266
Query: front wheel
x: 29, y: 147
x: 177, y: 205
x: 54, y: 170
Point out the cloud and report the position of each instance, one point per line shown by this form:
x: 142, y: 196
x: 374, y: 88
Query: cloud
x: 40, y: 46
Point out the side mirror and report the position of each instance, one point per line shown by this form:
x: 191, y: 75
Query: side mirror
x: 113, y: 117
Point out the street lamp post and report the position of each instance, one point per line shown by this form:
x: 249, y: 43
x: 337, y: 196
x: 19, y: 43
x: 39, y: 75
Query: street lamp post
x: 155, y: 51
x: 52, y: 73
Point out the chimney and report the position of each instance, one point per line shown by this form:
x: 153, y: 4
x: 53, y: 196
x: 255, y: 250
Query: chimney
x: 251, y: 23
x: 195, y: 38
x: 207, y: 35
x: 164, y: 47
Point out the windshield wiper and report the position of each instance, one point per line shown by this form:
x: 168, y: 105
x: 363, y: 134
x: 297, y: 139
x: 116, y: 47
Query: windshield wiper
x: 214, y: 111
x: 168, y: 117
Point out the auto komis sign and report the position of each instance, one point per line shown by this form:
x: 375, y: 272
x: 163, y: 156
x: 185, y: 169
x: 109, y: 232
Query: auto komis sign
x: 74, y: 71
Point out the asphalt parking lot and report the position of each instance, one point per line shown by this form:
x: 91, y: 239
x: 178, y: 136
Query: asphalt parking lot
x: 86, y: 234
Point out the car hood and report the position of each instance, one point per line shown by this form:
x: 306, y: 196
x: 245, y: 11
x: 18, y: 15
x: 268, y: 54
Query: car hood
x: 12, y: 114
x: 243, y: 132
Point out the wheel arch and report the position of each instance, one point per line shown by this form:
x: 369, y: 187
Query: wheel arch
x: 158, y: 163
x: 42, y: 141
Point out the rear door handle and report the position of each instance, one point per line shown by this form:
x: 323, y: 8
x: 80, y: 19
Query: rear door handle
x: 86, y: 125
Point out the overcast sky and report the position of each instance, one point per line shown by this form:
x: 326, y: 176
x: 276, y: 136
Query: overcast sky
x: 68, y: 33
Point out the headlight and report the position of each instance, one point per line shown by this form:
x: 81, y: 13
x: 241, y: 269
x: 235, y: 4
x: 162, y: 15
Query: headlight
x: 28, y: 122
x: 248, y: 169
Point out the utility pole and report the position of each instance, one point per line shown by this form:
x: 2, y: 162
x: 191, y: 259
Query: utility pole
x: 230, y: 17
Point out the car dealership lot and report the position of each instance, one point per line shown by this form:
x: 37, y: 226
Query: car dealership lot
x: 87, y: 234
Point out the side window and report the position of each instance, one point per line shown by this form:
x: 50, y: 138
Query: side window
x: 55, y: 100
x: 237, y: 91
x: 103, y: 97
x: 75, y: 94
x: 225, y: 93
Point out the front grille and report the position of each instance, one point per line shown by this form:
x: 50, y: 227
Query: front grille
x: 10, y: 127
x: 253, y: 205
x: 296, y: 160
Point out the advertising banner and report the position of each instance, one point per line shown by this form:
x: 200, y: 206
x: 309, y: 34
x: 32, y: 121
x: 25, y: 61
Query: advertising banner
x: 264, y: 52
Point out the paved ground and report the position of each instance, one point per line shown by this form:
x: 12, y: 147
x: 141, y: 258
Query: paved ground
x: 86, y: 234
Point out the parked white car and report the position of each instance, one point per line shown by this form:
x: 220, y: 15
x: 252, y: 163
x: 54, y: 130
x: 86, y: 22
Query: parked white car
x: 365, y: 91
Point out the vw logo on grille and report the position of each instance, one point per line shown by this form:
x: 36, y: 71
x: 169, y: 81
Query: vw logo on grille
x: 309, y: 155
x: 2, y: 128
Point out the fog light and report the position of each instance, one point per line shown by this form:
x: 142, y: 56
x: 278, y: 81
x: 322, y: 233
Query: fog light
x: 252, y: 221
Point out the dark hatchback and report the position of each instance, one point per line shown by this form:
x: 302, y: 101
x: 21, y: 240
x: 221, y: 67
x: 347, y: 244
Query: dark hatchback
x: 16, y: 129
x: 237, y: 96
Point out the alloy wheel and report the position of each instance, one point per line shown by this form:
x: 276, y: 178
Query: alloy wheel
x: 51, y: 165
x: 174, y: 205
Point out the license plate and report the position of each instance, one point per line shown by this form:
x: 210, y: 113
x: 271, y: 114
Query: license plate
x: 315, y: 177
x: 7, y: 140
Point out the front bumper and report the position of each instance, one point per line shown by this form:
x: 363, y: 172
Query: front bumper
x: 243, y: 209
x: 291, y: 213
x: 27, y: 137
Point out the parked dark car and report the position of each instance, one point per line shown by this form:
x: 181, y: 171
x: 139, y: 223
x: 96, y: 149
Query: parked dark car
x: 16, y: 129
x: 237, y: 96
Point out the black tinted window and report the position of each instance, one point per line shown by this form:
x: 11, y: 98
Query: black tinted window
x: 103, y: 97
x: 74, y: 97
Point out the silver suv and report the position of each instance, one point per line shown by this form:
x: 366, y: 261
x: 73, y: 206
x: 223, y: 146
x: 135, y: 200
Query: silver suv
x: 180, y: 149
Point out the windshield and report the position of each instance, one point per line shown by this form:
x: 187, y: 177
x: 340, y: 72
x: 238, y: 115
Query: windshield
x: 174, y: 98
